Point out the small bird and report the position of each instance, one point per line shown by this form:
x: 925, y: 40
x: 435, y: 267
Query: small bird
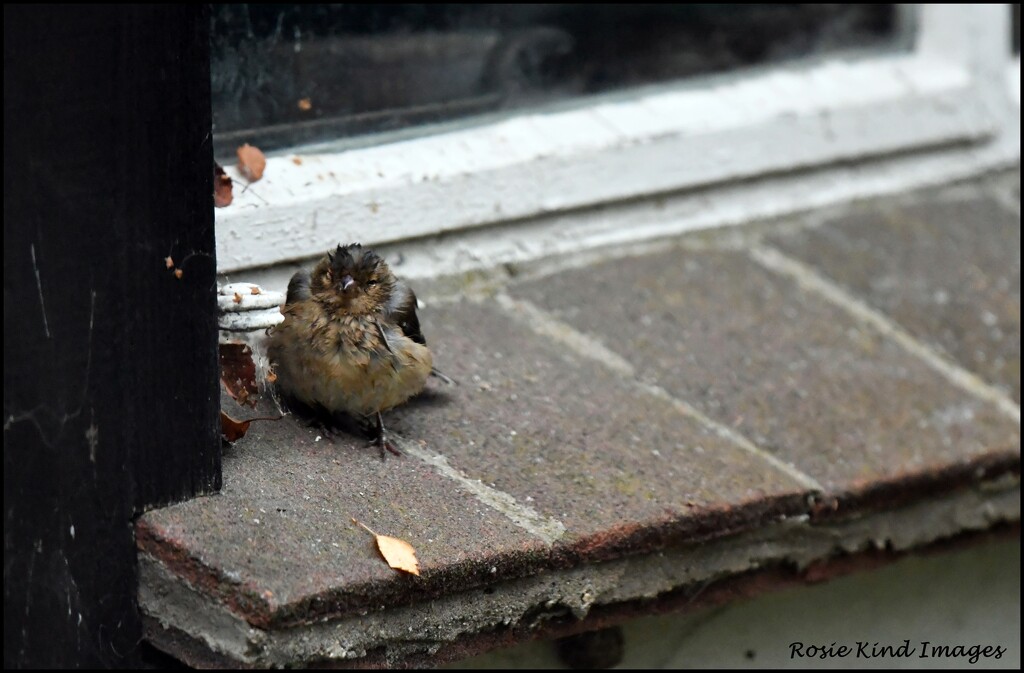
x: 350, y: 343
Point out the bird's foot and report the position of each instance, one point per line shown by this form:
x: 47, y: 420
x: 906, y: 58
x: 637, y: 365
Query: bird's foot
x: 385, y: 445
x: 381, y: 440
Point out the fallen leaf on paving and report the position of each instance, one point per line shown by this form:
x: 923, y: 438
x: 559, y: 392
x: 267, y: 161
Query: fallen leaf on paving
x: 221, y: 187
x: 238, y: 298
x: 305, y: 104
x: 169, y: 262
x: 251, y: 162
x: 233, y: 429
x: 297, y: 161
x: 398, y: 553
x: 178, y: 273
x: 255, y: 290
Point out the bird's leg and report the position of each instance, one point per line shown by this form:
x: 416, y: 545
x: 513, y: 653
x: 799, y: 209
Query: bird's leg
x: 346, y: 423
x: 382, y: 440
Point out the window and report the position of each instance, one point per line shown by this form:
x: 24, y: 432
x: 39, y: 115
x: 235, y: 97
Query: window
x: 288, y: 74
x: 578, y: 159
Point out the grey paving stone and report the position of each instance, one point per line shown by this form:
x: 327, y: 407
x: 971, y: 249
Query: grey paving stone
x: 563, y: 436
x: 547, y: 462
x: 793, y: 373
x: 277, y: 544
x: 569, y: 437
x: 947, y: 271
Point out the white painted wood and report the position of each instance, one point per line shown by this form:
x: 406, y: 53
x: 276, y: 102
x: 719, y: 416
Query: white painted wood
x: 634, y: 226
x: 542, y: 163
x: 537, y: 166
x: 239, y: 297
x: 976, y: 36
x: 250, y: 321
x: 247, y: 307
x: 1013, y: 82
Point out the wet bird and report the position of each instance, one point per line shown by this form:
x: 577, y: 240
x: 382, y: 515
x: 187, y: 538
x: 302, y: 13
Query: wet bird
x: 350, y: 344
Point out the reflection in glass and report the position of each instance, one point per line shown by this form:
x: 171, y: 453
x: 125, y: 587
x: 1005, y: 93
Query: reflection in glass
x: 288, y: 74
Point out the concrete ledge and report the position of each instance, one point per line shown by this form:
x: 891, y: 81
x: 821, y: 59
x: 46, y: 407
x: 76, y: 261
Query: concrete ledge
x: 204, y: 632
x: 629, y: 431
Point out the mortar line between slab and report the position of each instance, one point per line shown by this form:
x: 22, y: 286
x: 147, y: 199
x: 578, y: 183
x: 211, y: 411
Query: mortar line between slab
x: 548, y: 529
x: 547, y: 325
x: 810, y: 280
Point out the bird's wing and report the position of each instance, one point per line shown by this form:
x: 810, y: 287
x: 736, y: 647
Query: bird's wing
x: 298, y: 288
x: 400, y: 310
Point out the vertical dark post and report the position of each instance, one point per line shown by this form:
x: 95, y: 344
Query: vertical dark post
x: 110, y: 370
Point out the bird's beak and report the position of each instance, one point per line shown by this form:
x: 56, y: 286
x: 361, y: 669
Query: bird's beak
x: 347, y: 282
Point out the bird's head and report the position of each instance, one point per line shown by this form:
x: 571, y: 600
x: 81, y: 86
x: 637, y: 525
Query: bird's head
x: 352, y: 279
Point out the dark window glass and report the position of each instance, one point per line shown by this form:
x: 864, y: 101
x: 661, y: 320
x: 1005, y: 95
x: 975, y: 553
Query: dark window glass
x: 287, y: 74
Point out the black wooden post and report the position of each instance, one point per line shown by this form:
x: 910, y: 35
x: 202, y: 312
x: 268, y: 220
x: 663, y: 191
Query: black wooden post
x: 110, y: 366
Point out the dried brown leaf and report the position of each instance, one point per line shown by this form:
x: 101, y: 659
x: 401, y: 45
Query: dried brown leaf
x: 238, y: 373
x: 297, y: 161
x: 238, y: 298
x: 305, y: 104
x: 221, y: 187
x: 232, y: 429
x: 169, y: 261
x: 399, y: 554
x: 255, y: 290
x: 178, y: 273
x: 251, y: 162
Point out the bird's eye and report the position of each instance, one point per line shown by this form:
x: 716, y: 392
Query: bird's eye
x: 371, y: 283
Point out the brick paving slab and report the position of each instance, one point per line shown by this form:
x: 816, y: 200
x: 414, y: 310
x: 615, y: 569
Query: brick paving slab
x: 563, y: 436
x: 946, y: 271
x: 620, y: 468
x: 278, y: 546
x: 549, y: 482
x: 793, y: 373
